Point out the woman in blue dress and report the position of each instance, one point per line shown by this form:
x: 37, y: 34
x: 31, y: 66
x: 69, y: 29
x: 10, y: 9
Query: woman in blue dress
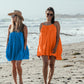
x: 17, y: 48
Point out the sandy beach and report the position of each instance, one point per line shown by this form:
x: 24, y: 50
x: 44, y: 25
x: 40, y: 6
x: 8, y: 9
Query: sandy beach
x: 69, y: 14
x: 70, y: 70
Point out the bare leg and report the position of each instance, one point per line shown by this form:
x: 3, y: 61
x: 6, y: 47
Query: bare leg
x: 14, y: 72
x: 45, y: 68
x: 19, y: 69
x: 51, y: 65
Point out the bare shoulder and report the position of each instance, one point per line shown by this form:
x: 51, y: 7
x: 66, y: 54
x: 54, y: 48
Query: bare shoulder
x: 56, y: 23
x: 9, y: 27
x: 25, y: 27
x: 44, y: 23
x: 41, y: 25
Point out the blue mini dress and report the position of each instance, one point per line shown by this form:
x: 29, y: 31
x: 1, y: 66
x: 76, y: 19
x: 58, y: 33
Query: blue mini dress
x: 15, y: 48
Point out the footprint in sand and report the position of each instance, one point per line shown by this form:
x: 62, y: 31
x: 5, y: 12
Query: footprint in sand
x: 76, y: 53
x: 69, y: 78
x: 68, y: 65
x: 65, y: 59
x: 0, y: 67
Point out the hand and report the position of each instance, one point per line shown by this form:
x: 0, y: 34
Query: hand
x: 25, y: 48
x: 38, y: 56
x: 54, y: 50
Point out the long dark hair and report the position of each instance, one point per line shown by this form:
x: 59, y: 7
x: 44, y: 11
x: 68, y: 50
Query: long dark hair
x: 53, y: 18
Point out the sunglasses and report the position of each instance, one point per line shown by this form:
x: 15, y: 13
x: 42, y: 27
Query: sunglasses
x: 13, y: 16
x: 48, y: 14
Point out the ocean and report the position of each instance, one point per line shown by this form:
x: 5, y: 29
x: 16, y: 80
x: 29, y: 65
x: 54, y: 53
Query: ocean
x: 72, y: 31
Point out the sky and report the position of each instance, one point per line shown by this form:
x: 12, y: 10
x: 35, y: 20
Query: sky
x: 36, y: 8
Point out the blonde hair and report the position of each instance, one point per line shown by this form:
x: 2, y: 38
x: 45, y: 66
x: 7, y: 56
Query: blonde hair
x: 17, y: 25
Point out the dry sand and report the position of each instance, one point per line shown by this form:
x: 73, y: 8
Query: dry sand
x: 70, y: 70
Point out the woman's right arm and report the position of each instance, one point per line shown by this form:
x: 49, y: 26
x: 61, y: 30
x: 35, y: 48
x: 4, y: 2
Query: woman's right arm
x: 8, y: 34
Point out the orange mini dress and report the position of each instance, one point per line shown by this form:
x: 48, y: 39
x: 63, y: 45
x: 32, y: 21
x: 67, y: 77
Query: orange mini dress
x: 47, y: 42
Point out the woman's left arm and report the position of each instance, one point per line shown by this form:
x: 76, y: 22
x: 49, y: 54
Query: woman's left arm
x: 25, y: 36
x: 57, y: 36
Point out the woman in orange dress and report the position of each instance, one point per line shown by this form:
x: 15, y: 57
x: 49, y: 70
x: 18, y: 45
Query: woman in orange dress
x: 50, y: 47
